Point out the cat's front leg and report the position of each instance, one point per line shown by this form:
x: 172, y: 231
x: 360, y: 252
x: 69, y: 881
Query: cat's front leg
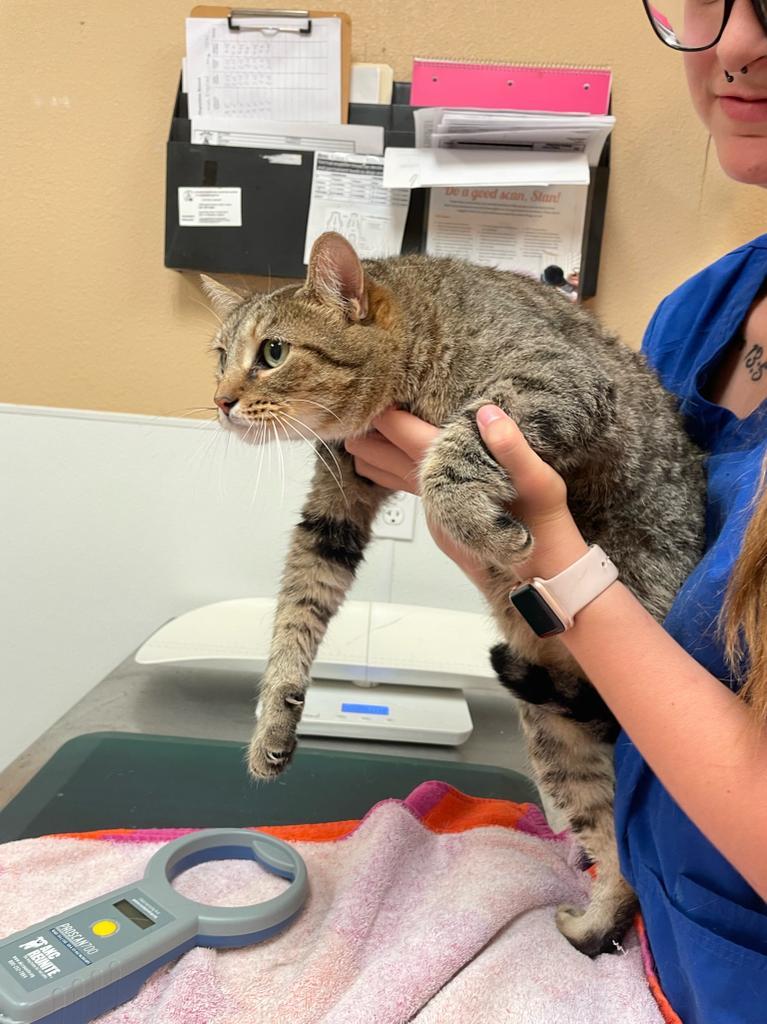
x: 326, y: 548
x: 467, y: 494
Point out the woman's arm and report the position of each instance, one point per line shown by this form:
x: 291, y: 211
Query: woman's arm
x: 702, y: 741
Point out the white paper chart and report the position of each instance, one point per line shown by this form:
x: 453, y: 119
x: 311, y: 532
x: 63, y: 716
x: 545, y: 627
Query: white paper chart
x: 348, y: 196
x: 280, y: 76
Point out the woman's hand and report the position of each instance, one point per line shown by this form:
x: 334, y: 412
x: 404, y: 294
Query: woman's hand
x: 542, y: 502
x: 392, y: 455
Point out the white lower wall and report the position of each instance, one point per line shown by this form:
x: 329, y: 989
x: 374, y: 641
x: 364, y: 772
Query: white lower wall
x: 112, y: 524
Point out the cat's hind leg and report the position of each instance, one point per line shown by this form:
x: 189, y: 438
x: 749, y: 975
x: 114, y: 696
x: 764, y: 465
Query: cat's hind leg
x: 570, y: 734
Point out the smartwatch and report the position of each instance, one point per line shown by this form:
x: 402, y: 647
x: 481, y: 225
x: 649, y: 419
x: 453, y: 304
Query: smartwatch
x: 550, y: 606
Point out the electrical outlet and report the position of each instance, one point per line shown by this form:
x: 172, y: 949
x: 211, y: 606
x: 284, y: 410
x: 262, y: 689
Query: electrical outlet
x: 396, y: 518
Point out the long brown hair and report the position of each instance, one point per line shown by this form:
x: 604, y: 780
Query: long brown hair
x: 744, y: 614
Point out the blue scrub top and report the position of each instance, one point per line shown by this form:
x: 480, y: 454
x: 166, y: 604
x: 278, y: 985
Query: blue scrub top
x: 706, y: 926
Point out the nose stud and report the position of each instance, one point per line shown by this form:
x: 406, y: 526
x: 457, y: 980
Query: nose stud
x: 728, y: 76
x: 744, y: 69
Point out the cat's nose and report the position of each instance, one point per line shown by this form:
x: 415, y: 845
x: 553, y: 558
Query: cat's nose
x: 225, y: 403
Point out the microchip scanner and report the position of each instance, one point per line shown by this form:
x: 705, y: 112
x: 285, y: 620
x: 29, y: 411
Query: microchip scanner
x: 82, y: 962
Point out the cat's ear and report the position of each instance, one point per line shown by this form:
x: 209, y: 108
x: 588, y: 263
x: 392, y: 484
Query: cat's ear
x: 336, y: 276
x: 223, y: 299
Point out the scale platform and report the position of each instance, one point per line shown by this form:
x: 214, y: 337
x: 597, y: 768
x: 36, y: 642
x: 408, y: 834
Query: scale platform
x: 383, y: 671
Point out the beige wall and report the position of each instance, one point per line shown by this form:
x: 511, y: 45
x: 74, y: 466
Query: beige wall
x: 92, y: 318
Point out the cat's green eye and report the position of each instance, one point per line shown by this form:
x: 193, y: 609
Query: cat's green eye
x: 273, y: 353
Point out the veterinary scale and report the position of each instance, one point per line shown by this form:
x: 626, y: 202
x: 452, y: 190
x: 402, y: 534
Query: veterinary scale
x: 413, y: 663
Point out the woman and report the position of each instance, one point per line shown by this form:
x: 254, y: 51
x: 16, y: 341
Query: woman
x: 691, y: 763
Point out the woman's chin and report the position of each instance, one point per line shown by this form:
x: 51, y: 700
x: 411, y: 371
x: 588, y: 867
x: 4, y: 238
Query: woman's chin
x: 743, y: 158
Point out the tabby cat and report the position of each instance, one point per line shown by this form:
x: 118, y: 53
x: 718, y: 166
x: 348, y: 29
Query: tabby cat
x: 440, y: 338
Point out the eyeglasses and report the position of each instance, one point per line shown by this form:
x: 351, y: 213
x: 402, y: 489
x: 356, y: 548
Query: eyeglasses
x: 695, y: 24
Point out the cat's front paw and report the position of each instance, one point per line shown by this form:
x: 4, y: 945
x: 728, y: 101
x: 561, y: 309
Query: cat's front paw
x: 274, y: 740
x: 475, y: 519
x: 269, y: 752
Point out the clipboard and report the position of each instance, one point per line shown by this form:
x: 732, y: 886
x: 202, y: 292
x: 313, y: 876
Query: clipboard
x: 295, y: 22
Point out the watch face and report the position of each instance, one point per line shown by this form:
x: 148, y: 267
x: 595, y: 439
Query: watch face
x: 535, y: 611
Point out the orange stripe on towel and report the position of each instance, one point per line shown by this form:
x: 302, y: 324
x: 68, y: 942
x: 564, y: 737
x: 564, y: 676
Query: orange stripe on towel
x: 457, y: 812
x: 665, y: 1007
x: 453, y: 812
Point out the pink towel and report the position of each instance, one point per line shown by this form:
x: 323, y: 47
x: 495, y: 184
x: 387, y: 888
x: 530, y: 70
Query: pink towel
x: 438, y: 909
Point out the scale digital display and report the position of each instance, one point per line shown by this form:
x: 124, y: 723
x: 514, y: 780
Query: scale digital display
x: 365, y: 709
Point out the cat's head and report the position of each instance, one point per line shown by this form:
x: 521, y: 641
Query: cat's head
x: 321, y: 359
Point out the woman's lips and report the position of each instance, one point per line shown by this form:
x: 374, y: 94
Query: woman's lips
x: 744, y: 110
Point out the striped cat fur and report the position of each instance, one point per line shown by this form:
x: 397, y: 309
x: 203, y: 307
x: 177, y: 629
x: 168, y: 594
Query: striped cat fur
x: 441, y: 337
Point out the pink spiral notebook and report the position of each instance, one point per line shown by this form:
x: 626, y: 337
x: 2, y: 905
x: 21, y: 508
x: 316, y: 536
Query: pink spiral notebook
x: 572, y: 90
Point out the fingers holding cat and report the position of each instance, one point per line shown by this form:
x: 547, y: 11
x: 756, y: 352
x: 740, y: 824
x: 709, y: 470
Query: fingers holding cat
x: 541, y: 501
x: 541, y: 491
x: 392, y: 455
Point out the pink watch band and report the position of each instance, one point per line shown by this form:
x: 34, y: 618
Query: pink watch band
x: 578, y: 584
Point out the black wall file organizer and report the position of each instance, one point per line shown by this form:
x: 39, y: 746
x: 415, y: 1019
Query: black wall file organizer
x: 275, y: 199
x: 275, y: 196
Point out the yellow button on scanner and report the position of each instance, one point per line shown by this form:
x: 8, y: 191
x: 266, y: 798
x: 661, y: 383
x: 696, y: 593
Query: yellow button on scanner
x: 104, y: 928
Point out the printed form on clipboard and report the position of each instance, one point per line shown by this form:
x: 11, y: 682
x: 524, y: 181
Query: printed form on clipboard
x: 268, y: 65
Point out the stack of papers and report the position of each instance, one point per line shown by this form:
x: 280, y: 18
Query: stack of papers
x: 442, y: 127
x: 509, y: 188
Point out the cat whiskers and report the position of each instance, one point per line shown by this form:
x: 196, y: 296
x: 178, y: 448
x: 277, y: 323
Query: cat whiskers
x: 319, y: 406
x: 211, y: 437
x: 188, y: 413
x: 340, y: 477
x: 251, y: 425
x: 261, y: 427
x: 204, y: 423
x: 278, y: 443
x: 222, y: 467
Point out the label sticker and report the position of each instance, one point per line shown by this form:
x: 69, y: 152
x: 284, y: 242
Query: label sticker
x: 209, y: 207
